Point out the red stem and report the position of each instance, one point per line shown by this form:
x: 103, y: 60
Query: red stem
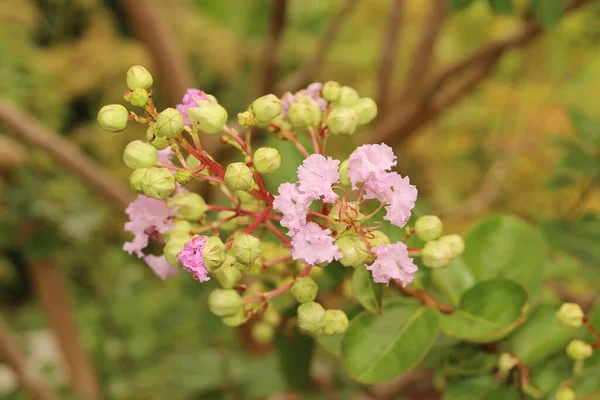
x: 292, y: 138
x: 315, y: 143
x: 262, y: 216
x: 268, y: 263
x: 286, y: 242
x: 268, y: 295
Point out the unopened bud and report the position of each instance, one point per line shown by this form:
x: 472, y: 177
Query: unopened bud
x: 236, y: 319
x: 271, y: 317
x: 315, y: 109
x: 169, y: 123
x: 343, y: 214
x: 571, y: 315
x: 304, y: 289
x: 355, y: 252
x: 331, y: 91
x: 224, y: 302
x: 190, y: 206
x: 506, y: 362
x: 348, y: 96
x: 173, y: 248
x: 378, y: 238
x: 344, y: 177
x: 301, y: 115
x: 565, y: 393
x: 342, y: 121
x: 158, y: 183
x: 267, y: 160
x: 181, y: 228
x: 266, y: 108
x: 210, y: 117
x: 238, y: 176
x: 183, y: 176
x: 135, y: 179
x: 311, y: 317
x: 113, y: 117
x: 262, y: 332
x: 436, y: 254
x: 336, y: 322
x: 428, y: 227
x: 160, y: 143
x: 456, y: 243
x: 246, y: 119
x: 246, y: 248
x: 366, y: 109
x: 214, y: 253
x: 137, y: 97
x: 138, y: 154
x: 579, y: 350
x: 138, y: 77
x: 228, y: 275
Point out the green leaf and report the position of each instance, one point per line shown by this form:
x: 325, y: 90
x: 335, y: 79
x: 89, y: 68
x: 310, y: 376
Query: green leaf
x: 502, y: 7
x: 295, y: 353
x: 377, y: 348
x: 547, y: 12
x: 460, y: 4
x: 560, y: 182
x: 367, y: 292
x: 587, y: 127
x: 454, y: 280
x: 470, y: 388
x: 579, y: 162
x: 594, y: 318
x: 579, y: 238
x: 487, y: 312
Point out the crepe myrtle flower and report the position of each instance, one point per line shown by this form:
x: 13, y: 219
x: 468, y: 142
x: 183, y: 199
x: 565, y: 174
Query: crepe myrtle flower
x: 161, y: 267
x: 191, y: 98
x: 313, y: 91
x: 147, y: 217
x: 192, y: 259
x: 313, y: 245
x: 392, y: 263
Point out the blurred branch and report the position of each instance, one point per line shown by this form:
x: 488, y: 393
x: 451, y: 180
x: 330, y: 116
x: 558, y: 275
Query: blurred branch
x: 308, y: 69
x: 388, y: 54
x: 10, y: 354
x: 582, y: 198
x: 270, y: 55
x: 66, y: 154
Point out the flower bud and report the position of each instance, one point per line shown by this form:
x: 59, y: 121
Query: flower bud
x: 342, y: 214
x: 266, y: 108
x: 378, y: 238
x: 113, y: 117
x: 336, y: 322
x: 158, y: 183
x: 342, y: 121
x: 137, y: 97
x: 173, y: 248
x: 304, y: 289
x: 181, y: 228
x: 311, y: 317
x: 138, y: 77
x: 224, y: 302
x: 344, y: 177
x: 138, y: 154
x: 190, y: 206
x: 228, y: 275
x: 579, y: 350
x: 456, y: 243
x: 271, y: 317
x: 230, y: 225
x: 436, y: 254
x: 246, y: 119
x: 210, y: 117
x: 565, y: 393
x: 331, y: 91
x: 236, y: 319
x: 355, y: 252
x: 246, y: 248
x: 262, y: 332
x: 428, y: 227
x: 169, y: 123
x: 366, y: 109
x: 135, y: 179
x: 238, y: 176
x: 214, y: 253
x: 183, y: 176
x: 570, y: 315
x: 301, y: 115
x: 315, y: 109
x: 160, y: 143
x: 506, y: 362
x: 348, y: 96
x: 267, y: 160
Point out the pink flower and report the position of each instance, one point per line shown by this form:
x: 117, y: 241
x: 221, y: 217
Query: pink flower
x: 370, y: 161
x: 313, y: 245
x: 192, y: 259
x: 165, y: 155
x: 313, y: 91
x: 293, y: 204
x: 147, y: 217
x: 392, y: 263
x: 402, y: 201
x: 160, y: 266
x: 317, y: 174
x: 190, y: 99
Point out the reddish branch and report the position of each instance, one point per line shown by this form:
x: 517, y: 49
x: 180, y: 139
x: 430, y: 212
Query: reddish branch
x: 270, y: 55
x: 388, y: 53
x: 425, y: 298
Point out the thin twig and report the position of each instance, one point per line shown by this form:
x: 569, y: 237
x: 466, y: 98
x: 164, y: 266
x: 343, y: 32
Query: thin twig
x: 388, y: 54
x: 425, y: 298
x: 270, y: 55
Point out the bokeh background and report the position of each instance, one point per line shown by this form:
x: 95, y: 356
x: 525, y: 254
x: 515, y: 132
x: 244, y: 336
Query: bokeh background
x: 491, y: 106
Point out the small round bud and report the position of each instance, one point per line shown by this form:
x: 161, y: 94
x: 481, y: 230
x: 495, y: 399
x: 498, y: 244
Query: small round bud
x: 181, y: 228
x: 169, y: 123
x: 436, y: 254
x: 160, y: 143
x: 183, y: 176
x: 238, y: 176
x: 336, y: 322
x: 246, y: 248
x: 230, y: 225
x: 267, y: 160
x: 342, y: 214
x: 113, y: 117
x: 138, y: 154
x: 190, y: 206
x: 565, y: 393
x: 366, y: 109
x: 428, y: 227
x: 138, y: 77
x: 246, y: 119
x: 262, y: 332
x: 135, y: 179
x: 506, y: 362
x: 378, y: 238
x: 579, y: 350
x: 348, y: 96
x: 311, y: 317
x: 210, y: 117
x: 266, y: 108
x: 158, y: 183
x: 342, y: 121
x: 456, y: 243
x: 301, y: 115
x: 173, y: 248
x: 571, y: 315
x: 137, y: 97
x: 271, y: 317
x: 331, y: 91
x: 355, y: 252
x: 228, y: 275
x: 214, y: 253
x: 344, y: 177
x: 304, y: 289
x: 236, y: 319
x: 224, y: 302
x: 315, y: 109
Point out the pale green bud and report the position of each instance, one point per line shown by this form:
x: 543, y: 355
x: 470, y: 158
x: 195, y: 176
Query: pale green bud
x: 137, y: 97
x: 342, y: 121
x: 355, y: 252
x: 236, y: 319
x: 138, y: 77
x: 456, y: 243
x: 342, y: 214
x: 183, y: 176
x: 230, y: 225
x: 135, y: 179
x: 113, y: 117
x: 301, y: 115
x: 246, y: 248
x: 210, y: 117
x: 267, y: 160
x: 173, y: 248
x: 245, y: 198
x: 565, y: 393
x: 378, y: 238
x: 271, y: 317
x: 246, y: 119
x: 158, y: 183
x: 266, y: 108
x: 238, y: 176
x: 344, y: 177
x: 336, y: 322
x: 315, y: 109
x: 190, y: 206
x: 214, y: 253
x: 262, y: 332
x: 138, y: 154
x: 311, y: 317
x: 304, y: 289
x: 160, y: 143
x: 181, y: 228
x: 366, y: 109
x: 228, y: 275
x: 579, y: 350
x: 348, y: 97
x: 428, y: 227
x: 570, y: 315
x: 331, y: 91
x: 506, y: 362
x: 169, y: 123
x: 436, y: 254
x: 224, y: 302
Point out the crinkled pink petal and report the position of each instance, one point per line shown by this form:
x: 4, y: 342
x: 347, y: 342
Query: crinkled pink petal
x: 392, y: 263
x: 192, y: 260
x: 403, y: 198
x: 313, y: 91
x: 165, y: 155
x: 317, y: 175
x: 293, y: 204
x: 161, y: 267
x: 313, y: 245
x: 190, y: 99
x: 370, y: 161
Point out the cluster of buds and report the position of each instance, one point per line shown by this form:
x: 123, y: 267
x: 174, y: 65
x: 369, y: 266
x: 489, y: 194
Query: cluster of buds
x: 571, y: 315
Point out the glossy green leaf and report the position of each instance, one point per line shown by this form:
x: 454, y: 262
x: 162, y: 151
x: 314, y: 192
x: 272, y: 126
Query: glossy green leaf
x: 547, y: 12
x: 487, y: 312
x: 367, y: 292
x: 460, y: 4
x: 294, y: 353
x: 377, y: 348
x: 502, y: 7
x: 548, y: 375
x: 453, y: 280
x: 587, y: 127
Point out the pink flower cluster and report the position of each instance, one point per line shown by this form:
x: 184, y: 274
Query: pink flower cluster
x: 313, y: 91
x: 190, y: 99
x: 192, y: 259
x: 392, y: 263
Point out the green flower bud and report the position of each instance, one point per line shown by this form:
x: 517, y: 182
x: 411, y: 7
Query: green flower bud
x: 135, y: 179
x: 428, y: 227
x: 138, y: 154
x: 228, y: 275
x: 245, y: 198
x: 355, y: 252
x: 342, y: 214
x: 336, y: 322
x: 138, y: 77
x: 366, y: 109
x: 113, y: 117
x: 262, y: 332
x: 378, y: 238
x: 183, y: 176
x: 565, y: 393
x: 236, y: 319
x: 190, y: 206
x: 210, y: 117
x: 246, y: 119
x: 344, y: 177
x: 267, y: 160
x: 342, y: 121
x: 506, y: 362
x: 238, y: 176
x: 570, y: 315
x: 266, y: 108
x: 158, y: 183
x: 436, y: 254
x: 331, y: 91
x: 456, y: 243
x: 173, y: 248
x: 214, y: 253
x: 348, y: 97
x: 271, y: 317
x: 246, y: 248
x: 230, y: 225
x: 181, y: 228
x: 315, y: 109
x: 301, y: 115
x: 311, y: 317
x: 224, y: 302
x: 137, y: 97
x: 304, y: 289
x: 169, y: 123
x: 579, y: 350
x: 160, y: 143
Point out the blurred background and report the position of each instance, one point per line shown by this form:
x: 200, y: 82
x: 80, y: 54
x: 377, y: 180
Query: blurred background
x: 491, y: 106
